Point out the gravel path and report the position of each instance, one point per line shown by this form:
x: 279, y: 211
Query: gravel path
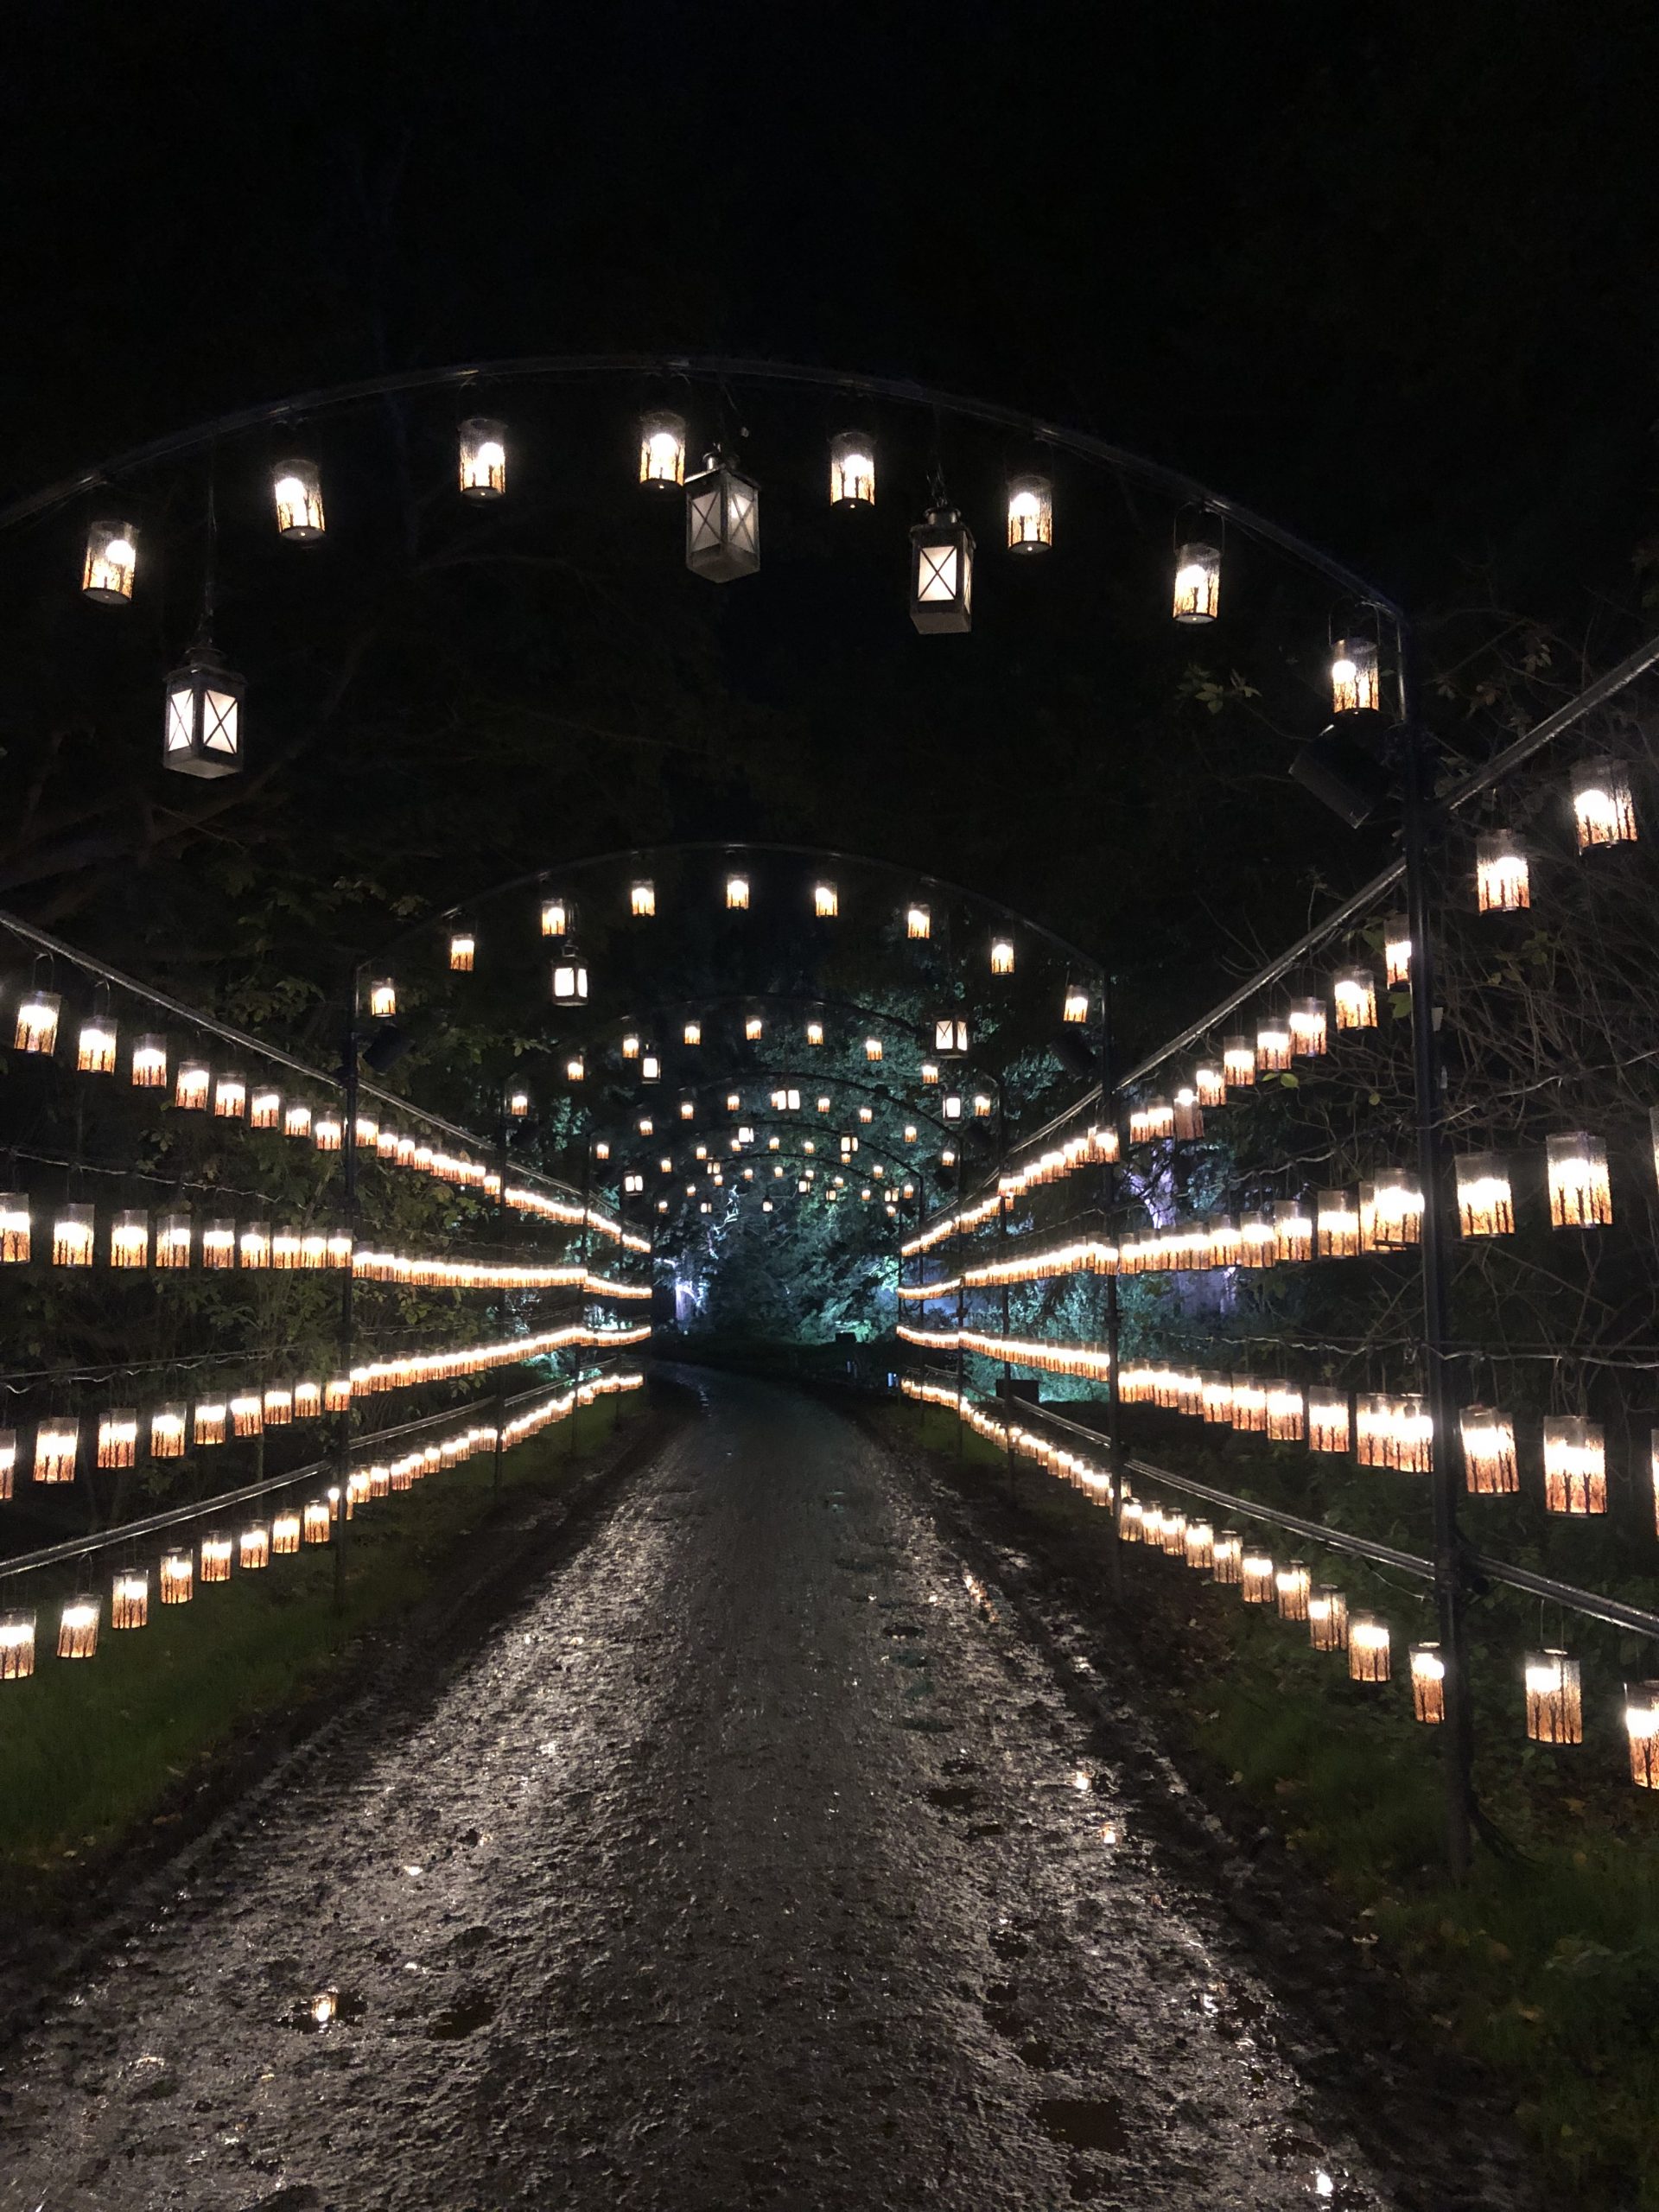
x: 757, y: 1860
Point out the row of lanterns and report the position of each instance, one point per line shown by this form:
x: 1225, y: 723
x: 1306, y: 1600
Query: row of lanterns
x: 1092, y: 1360
x: 168, y: 1429
x: 1551, y: 1680
x: 1095, y: 1147
x: 259, y: 1541
x: 170, y: 1241
x: 546, y: 1209
x: 427, y: 1272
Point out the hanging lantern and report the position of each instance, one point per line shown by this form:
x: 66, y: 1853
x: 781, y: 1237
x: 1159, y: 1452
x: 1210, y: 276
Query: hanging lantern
x: 1031, y: 514
x: 1503, y: 880
x: 518, y: 1104
x: 383, y: 998
x: 166, y: 1433
x: 210, y: 1422
x: 1258, y: 1241
x: 202, y: 728
x: 296, y: 1119
x: 178, y: 1579
x: 1238, y: 1062
x: 247, y: 1414
x: 688, y: 1109
x: 253, y: 1549
x: 558, y: 916
x: 575, y: 1069
x: 942, y: 572
x: 1368, y: 1649
x: 1398, y: 1200
x: 216, y: 1558
x: 1293, y: 1588
x: 95, y: 1046
x: 1489, y: 1455
x: 1485, y: 1207
x: 130, y: 1239
x: 691, y: 1033
x: 285, y: 1533
x: 1229, y: 1557
x: 218, y: 1244
x: 296, y: 488
x: 1580, y: 1194
x: 1186, y: 1122
x: 308, y: 1401
x: 722, y: 522
x: 129, y: 1599
x: 36, y: 1029
x: 1198, y: 584
x: 78, y: 1628
x: 852, y: 470
x: 1602, y: 806
x: 570, y: 978
x: 642, y: 898
x: 1210, y: 1082
x: 72, y: 1231
x: 1355, y: 682
x: 111, y: 557
x: 1327, y: 1420
x: 1575, y: 1469
x: 1306, y: 1026
x: 1641, y: 1728
x: 1074, y: 1007
x: 279, y: 1404
x: 1428, y: 1684
x: 1200, y: 1545
x: 1555, y: 1699
x: 753, y: 1029
x: 1355, y: 993
x: 317, y: 1523
x: 1002, y: 955
x: 1396, y: 951
x: 8, y: 1463
x: 265, y: 1110
x: 737, y: 894
x: 1273, y: 1044
x: 230, y: 1098
x: 16, y: 1647
x: 482, y: 454
x: 1286, y: 1414
x: 149, y: 1062
x: 918, y: 922
x: 1292, y: 1227
x: 463, y: 952
x: 117, y: 1438
x: 1337, y: 1225
x: 1327, y: 1619
x: 15, y: 1228
x: 662, y: 451
x: 1257, y: 1578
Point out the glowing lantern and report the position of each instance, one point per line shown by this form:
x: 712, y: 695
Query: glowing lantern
x: 209, y: 1426
x: 662, y: 451
x: 201, y: 722
x: 1428, y: 1684
x: 253, y: 1549
x: 247, y: 1414
x: 296, y: 1120
x: 73, y: 1230
x: 1602, y: 806
x: 815, y: 1032
x: 570, y: 978
x: 558, y: 916
x: 1031, y: 514
x: 111, y: 557
x: 1327, y: 1619
x: 308, y: 1401
x: 518, y: 1104
x: 1229, y: 1557
x: 149, y: 1062
x: 1257, y: 1578
x: 1575, y: 1471
x: 688, y: 1109
x: 36, y: 1029
x: 285, y: 1533
x: 1368, y: 1649
x: 482, y: 458
x: 296, y: 488
x: 1555, y: 1699
x: 722, y: 522
x: 57, y: 1441
x: 1489, y: 1454
x: 78, y: 1628
x: 1074, y: 1007
x: 129, y: 1599
x: 193, y: 1086
x: 1503, y: 880
x: 279, y: 1406
x: 383, y: 998
x: 872, y: 1048
x: 1355, y: 993
x: 1327, y: 1420
x: 1238, y: 1062
x: 631, y: 1047
x: 852, y: 470
x: 918, y: 922
x: 14, y: 1227
x: 216, y: 1558
x: 129, y: 1239
x: 1641, y: 1728
x: 1293, y: 1588
x: 1307, y: 1025
x: 95, y: 1046
x: 1185, y: 1120
x: 1292, y: 1227
x: 218, y: 1244
x: 1210, y: 1082
x: 1198, y: 584
x: 1398, y: 1200
x: 753, y: 1029
x: 8, y: 1462
x: 230, y: 1098
x: 691, y: 1033
x: 117, y: 1438
x: 1355, y: 685
x: 178, y: 1579
x: 942, y: 572
x: 1337, y: 1225
x: 16, y: 1647
x: 317, y: 1523
x: 265, y: 1110
x: 1200, y: 1545
x: 1259, y: 1243
x: 1396, y: 951
x: 1286, y: 1412
x: 1485, y: 1206
x: 1580, y: 1195
x: 575, y: 1069
x: 166, y: 1433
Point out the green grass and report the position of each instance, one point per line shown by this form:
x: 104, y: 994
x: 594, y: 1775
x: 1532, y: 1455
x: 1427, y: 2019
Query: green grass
x: 1544, y: 1964
x: 89, y: 1750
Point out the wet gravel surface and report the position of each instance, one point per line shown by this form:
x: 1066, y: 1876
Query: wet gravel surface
x: 759, y: 1858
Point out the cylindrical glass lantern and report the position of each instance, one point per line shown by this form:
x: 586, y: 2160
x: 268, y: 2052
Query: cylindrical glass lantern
x: 1336, y: 1224
x: 1257, y: 1578
x: 1502, y: 878
x: 1293, y: 1588
x: 178, y: 1579
x: 1603, y: 807
x: 1238, y: 1062
x: 1575, y: 1468
x: 16, y: 1237
x: 193, y: 1086
x: 111, y: 560
x: 72, y: 1231
x: 1306, y: 1024
x: 168, y: 1429
x: 1642, y: 1731
x: 1355, y: 993
x: 1368, y: 1649
x: 129, y: 1599
x: 264, y: 1108
x: 1428, y: 1684
x: 117, y: 1438
x: 1555, y: 1699
x: 1355, y: 678
x: 1273, y: 1044
x: 1490, y: 1463
x: 216, y: 1558
x: 852, y: 470
x: 1229, y: 1557
x: 149, y: 1062
x: 1198, y: 584
x: 285, y: 1532
x: 210, y: 1422
x: 1486, y: 1203
x: 1031, y: 513
x: 1328, y: 1426
x: 78, y: 1627
x: 317, y: 1522
x: 296, y: 489
x: 1327, y: 1619
x: 218, y: 1244
x: 95, y: 1046
x: 1397, y: 1198
x: 662, y: 451
x: 253, y: 1548
x: 1292, y: 1229
x: 35, y: 1027
x: 16, y: 1647
x: 463, y: 952
x: 130, y: 1239
x: 1580, y: 1190
x: 482, y: 458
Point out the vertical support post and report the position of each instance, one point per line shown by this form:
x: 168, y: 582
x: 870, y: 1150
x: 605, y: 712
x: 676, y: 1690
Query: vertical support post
x: 1002, y: 1240
x: 962, y: 1362
x: 1449, y: 1585
x: 1109, y: 1212
x: 347, y: 1282
x: 501, y: 1309
x: 581, y: 1307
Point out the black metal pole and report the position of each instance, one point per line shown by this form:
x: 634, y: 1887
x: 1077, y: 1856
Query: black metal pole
x: 1450, y: 1578
x: 1002, y: 1245
x: 581, y: 1307
x: 347, y: 1282
x: 1109, y: 1210
x: 501, y: 1309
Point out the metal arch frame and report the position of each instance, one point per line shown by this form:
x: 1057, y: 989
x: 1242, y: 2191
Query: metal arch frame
x: 640, y: 1147
x: 796, y: 1075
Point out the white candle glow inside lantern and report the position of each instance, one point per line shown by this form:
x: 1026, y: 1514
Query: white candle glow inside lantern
x: 1286, y: 1412
x: 78, y: 1628
x: 317, y: 1522
x: 557, y: 916
x: 36, y: 1028
x: 1642, y: 1732
x: 193, y: 1086
x: 1074, y: 1007
x: 1238, y: 1062
x: 570, y: 979
x: 1336, y: 1224
x: 737, y: 893
x: 218, y: 1244
x: 1327, y: 1619
x: 296, y: 1119
x: 129, y: 1599
x: 918, y: 921
x: 1355, y: 994
x: 230, y: 1098
x: 1292, y: 1227
x: 1580, y: 1192
x: 383, y: 998
x: 1354, y: 679
x: 1485, y: 1203
x: 117, y: 1438
x: 753, y: 1029
x: 1396, y: 951
x: 463, y: 952
x: 575, y: 1069
x: 111, y: 564
x: 723, y: 523
x: 1575, y: 1468
x: 16, y: 1237
x: 662, y: 451
x: 691, y: 1033
x: 1428, y: 1684
x: 72, y: 1231
x: 1603, y: 807
x: 852, y: 470
x: 481, y: 457
x: 942, y: 573
x: 518, y: 1104
x: 1368, y: 1649
x: 642, y: 898
x: 1398, y: 1200
x: 216, y: 1558
x: 296, y: 489
x: 285, y: 1533
x: 149, y: 1062
x: 1554, y: 1698
x: 130, y: 1239
x: 1229, y: 1557
x: 1198, y: 584
x: 1031, y: 514
x: 264, y: 1109
x: 1503, y: 879
x: 166, y: 1433
x: 1257, y: 1578
x: 1210, y: 1082
x: 178, y: 1579
x: 210, y: 1423
x: 57, y: 1443
x: 1002, y: 955
x: 16, y: 1647
x: 1305, y: 1021
x: 1293, y: 1588
x: 1490, y: 1463
x: 95, y: 1046
x: 247, y: 1414
x: 253, y: 1549
x: 1328, y: 1425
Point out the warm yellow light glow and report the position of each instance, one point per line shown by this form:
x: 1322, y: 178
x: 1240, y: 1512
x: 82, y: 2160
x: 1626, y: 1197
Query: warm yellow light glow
x: 1575, y: 1471
x: 1603, y: 808
x: 36, y: 1029
x: 481, y: 457
x: 296, y: 488
x: 1355, y: 993
x: 111, y: 564
x: 1198, y: 584
x: 642, y: 898
x: 95, y: 1046
x: 918, y: 922
x: 1355, y: 687
x: 737, y: 893
x: 662, y: 451
x: 1503, y: 879
x: 1580, y: 1192
x: 1031, y: 513
x: 852, y: 470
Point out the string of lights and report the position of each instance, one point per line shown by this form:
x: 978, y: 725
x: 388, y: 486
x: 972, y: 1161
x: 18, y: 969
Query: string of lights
x: 1089, y: 1360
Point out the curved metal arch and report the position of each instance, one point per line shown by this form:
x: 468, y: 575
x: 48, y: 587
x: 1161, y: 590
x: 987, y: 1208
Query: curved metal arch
x: 801, y: 1075
x: 645, y: 1147
x: 717, y: 369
